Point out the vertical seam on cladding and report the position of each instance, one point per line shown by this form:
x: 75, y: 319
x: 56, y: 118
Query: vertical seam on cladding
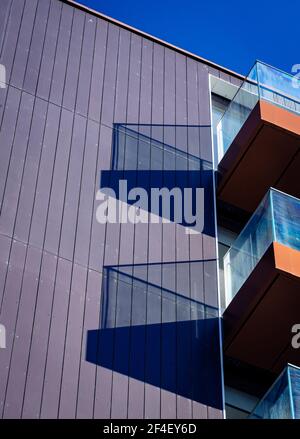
x: 77, y: 220
x: 96, y: 179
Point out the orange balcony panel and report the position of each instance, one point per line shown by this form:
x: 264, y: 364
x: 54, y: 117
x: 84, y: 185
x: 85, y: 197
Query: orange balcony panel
x: 265, y: 153
x: 259, y: 319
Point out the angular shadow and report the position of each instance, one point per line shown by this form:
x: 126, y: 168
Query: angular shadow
x: 180, y: 357
x: 151, y: 330
x: 156, y: 156
x: 191, y: 180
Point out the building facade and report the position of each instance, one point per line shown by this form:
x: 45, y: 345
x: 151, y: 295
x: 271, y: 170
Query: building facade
x: 124, y: 319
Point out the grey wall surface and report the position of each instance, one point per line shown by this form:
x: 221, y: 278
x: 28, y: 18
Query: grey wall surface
x: 70, y: 76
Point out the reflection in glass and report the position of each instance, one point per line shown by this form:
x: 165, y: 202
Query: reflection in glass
x: 263, y: 82
x: 277, y: 219
x: 282, y: 399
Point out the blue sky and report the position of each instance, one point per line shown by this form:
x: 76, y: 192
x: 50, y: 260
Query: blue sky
x: 229, y: 32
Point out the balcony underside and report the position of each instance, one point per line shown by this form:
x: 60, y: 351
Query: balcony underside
x: 258, y: 321
x: 264, y: 154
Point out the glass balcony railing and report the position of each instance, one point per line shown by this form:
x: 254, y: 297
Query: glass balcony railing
x: 282, y: 401
x: 263, y: 82
x: 277, y: 219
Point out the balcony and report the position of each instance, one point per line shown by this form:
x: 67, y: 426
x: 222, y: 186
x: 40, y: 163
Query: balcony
x: 282, y: 401
x: 262, y: 284
x: 259, y: 138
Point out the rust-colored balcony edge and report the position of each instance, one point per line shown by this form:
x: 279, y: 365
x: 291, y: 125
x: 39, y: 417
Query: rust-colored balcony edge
x: 265, y: 153
x: 258, y: 321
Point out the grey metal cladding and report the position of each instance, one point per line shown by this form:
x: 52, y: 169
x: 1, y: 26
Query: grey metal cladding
x: 70, y: 76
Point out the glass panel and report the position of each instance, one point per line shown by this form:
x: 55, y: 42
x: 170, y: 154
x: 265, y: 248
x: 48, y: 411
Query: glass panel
x: 276, y: 404
x: 276, y: 219
x: 248, y: 249
x: 286, y: 219
x: 218, y: 106
x: 263, y: 82
x: 278, y: 87
x: 295, y: 389
x: 282, y: 401
x: 237, y: 112
x: 223, y: 249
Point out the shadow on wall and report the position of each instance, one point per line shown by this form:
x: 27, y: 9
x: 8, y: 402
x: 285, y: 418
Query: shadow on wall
x: 159, y: 337
x: 196, y: 211
x: 181, y: 357
x: 163, y: 156
x: 153, y: 328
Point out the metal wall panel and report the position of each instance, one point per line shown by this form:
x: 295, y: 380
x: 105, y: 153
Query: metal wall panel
x: 49, y: 50
x: 36, y: 47
x: 86, y: 390
x: 74, y: 60
x: 8, y: 126
x: 36, y: 364
x: 4, y: 14
x: 9, y: 310
x: 14, y: 174
x: 61, y: 56
x: 21, y: 343
x: 70, y: 77
x: 51, y: 392
x: 11, y: 34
